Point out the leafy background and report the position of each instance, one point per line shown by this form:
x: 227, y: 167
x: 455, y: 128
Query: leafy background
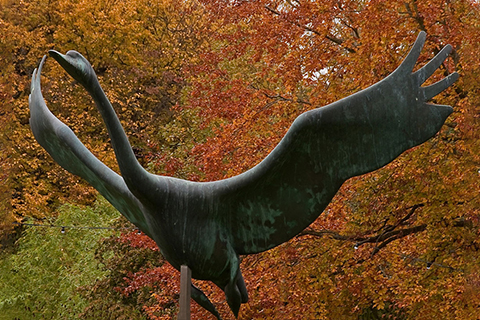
x: 206, y: 89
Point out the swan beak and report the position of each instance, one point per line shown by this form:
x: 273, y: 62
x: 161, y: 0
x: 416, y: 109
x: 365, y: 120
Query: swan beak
x: 56, y: 55
x: 62, y: 59
x: 72, y: 64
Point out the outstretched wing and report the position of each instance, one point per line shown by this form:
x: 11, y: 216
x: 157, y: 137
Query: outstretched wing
x: 281, y: 196
x: 62, y: 144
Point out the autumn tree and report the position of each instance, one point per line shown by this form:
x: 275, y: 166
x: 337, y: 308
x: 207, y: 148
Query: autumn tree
x: 403, y: 239
x: 401, y: 242
x: 233, y: 76
x: 138, y: 48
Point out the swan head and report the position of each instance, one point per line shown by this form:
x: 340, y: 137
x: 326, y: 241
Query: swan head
x: 77, y: 66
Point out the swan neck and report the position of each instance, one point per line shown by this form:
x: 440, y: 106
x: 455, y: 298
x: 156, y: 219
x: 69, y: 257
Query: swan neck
x: 132, y: 172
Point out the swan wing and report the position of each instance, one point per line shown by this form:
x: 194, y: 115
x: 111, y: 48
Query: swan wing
x: 324, y: 147
x: 67, y: 150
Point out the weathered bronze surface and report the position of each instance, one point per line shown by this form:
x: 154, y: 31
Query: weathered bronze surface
x: 206, y: 226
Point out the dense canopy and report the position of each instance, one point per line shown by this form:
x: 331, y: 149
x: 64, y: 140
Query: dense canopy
x: 206, y: 89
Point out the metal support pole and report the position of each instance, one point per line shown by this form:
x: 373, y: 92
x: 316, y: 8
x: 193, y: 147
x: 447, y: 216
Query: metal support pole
x: 185, y: 292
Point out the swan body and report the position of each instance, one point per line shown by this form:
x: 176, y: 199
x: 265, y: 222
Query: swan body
x: 207, y: 225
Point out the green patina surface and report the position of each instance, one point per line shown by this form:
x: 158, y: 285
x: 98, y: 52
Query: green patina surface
x: 210, y: 224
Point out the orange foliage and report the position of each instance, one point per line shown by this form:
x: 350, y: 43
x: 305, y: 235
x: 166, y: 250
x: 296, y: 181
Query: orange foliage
x: 401, y: 242
x: 139, y: 50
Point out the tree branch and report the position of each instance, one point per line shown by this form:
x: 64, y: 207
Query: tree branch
x: 413, y: 13
x: 382, y: 236
x: 398, y: 234
x: 332, y: 234
x: 277, y: 97
x: 329, y: 37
